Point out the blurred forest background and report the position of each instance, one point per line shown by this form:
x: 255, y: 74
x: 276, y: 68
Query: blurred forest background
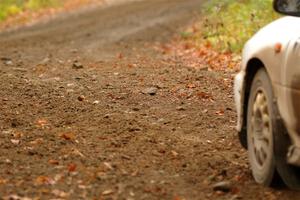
x: 13, y: 7
x: 18, y: 12
x: 226, y: 26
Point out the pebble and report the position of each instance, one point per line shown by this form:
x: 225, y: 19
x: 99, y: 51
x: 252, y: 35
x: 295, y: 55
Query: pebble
x: 45, y: 61
x: 77, y: 65
x: 107, y: 116
x: 135, y: 109
x: 7, y: 61
x: 74, y: 50
x: 224, y: 186
x: 81, y: 98
x: 96, y: 102
x: 107, y: 192
x: 180, y: 108
x: 151, y: 91
x: 16, y: 142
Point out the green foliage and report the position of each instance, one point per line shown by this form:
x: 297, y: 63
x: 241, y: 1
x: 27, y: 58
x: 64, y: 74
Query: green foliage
x: 37, y: 4
x: 9, y: 7
x: 13, y: 7
x: 186, y: 34
x: 230, y: 23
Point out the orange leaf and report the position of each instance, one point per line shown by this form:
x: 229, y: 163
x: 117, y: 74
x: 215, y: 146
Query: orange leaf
x: 41, y: 123
x: 72, y: 167
x: 44, y: 180
x: 53, y: 162
x: 68, y: 136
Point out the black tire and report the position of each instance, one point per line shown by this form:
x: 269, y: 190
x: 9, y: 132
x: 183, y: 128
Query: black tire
x: 262, y: 162
x: 289, y: 174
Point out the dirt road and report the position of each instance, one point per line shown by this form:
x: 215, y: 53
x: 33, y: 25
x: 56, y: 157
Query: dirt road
x: 90, y: 110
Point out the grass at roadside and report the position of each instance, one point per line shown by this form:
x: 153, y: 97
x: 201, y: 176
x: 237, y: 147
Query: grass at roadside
x: 230, y: 23
x: 13, y: 7
x: 216, y: 41
x: 14, y: 13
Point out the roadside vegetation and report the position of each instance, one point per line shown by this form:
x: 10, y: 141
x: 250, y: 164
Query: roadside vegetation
x: 215, y: 42
x: 14, y: 13
x: 13, y: 7
x: 230, y: 23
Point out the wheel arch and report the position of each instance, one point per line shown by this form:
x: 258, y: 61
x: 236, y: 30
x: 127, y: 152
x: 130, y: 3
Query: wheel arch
x: 253, y: 65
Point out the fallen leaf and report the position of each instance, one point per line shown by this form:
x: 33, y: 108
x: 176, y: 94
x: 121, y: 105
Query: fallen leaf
x: 41, y: 123
x: 68, y: 136
x: 44, y: 180
x: 220, y: 112
x: 37, y: 141
x: 204, y: 95
x: 72, y: 167
x: 3, y: 181
x: 60, y: 193
x: 120, y: 56
x: 191, y: 85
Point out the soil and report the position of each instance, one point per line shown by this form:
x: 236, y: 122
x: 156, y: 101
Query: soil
x: 90, y: 110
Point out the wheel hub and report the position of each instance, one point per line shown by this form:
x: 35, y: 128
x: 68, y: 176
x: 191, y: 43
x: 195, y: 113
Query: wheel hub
x: 261, y: 130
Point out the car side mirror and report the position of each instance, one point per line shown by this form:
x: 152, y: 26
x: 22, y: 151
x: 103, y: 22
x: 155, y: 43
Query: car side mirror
x: 287, y: 7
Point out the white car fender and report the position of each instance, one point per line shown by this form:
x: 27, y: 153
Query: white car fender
x: 262, y: 46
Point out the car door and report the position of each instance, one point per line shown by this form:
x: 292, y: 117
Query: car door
x: 289, y: 95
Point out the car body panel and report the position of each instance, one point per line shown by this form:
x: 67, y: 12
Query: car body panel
x: 277, y: 46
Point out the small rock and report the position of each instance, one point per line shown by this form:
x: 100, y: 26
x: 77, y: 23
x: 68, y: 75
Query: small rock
x: 205, y: 111
x: 107, y: 192
x: 135, y: 109
x: 74, y: 50
x: 15, y: 142
x: 125, y: 157
x: 174, y: 153
x: 78, y: 78
x: 45, y: 61
x: 59, y: 193
x: 180, y: 108
x: 235, y: 197
x: 15, y: 123
x: 151, y: 91
x: 224, y: 186
x: 32, y: 152
x: 81, y: 98
x: 108, y: 165
x: 20, y: 69
x: 96, y: 102
x: 77, y: 65
x: 107, y: 116
x: 9, y: 62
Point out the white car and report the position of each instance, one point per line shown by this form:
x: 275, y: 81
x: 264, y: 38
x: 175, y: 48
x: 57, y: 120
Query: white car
x: 267, y: 96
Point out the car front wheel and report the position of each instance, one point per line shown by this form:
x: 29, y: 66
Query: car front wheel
x: 260, y: 129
